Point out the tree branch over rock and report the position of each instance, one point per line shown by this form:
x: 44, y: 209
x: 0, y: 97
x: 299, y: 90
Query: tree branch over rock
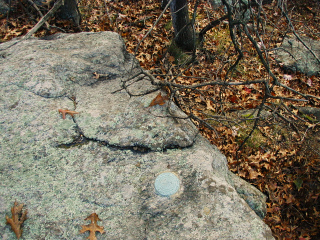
x: 247, y: 26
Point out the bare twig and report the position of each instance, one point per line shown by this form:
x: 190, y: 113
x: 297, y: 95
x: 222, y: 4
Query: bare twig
x: 255, y: 125
x: 295, y: 33
x: 210, y: 26
x: 8, y: 14
x: 38, y: 10
x: 55, y: 7
x: 232, y: 24
x: 150, y: 30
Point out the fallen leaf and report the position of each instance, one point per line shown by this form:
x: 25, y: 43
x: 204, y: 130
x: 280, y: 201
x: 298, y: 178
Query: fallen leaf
x: 96, y: 75
x: 287, y: 77
x: 159, y: 100
x: 309, y: 82
x: 93, y: 227
x: 122, y: 17
x: 248, y: 90
x: 171, y: 59
x: 261, y: 45
x: 253, y: 174
x: 233, y: 99
x: 66, y: 111
x: 17, y: 219
x: 209, y: 105
x: 298, y: 182
x: 234, y: 131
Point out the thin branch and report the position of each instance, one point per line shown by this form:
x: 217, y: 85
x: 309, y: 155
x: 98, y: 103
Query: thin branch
x: 192, y: 22
x: 232, y: 24
x: 254, y: 125
x: 153, y: 26
x: 38, y: 10
x: 306, y: 96
x: 203, y: 122
x: 297, y: 36
x: 262, y: 59
x: 8, y: 14
x: 220, y: 83
x: 210, y: 26
x: 55, y: 7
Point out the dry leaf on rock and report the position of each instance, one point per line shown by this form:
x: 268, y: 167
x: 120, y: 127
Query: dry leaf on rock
x: 64, y: 112
x: 17, y: 219
x: 93, y: 227
x: 159, y: 100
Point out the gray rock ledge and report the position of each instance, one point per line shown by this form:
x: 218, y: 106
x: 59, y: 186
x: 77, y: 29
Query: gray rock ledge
x: 63, y: 170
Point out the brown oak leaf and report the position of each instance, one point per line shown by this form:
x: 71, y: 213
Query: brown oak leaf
x: 17, y: 219
x: 93, y: 227
x: 159, y: 100
x: 64, y: 112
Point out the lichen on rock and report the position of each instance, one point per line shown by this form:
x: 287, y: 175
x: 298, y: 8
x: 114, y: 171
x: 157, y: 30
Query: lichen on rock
x: 128, y: 143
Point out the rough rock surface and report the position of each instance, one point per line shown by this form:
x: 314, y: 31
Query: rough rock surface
x: 106, y: 158
x: 315, y: 112
x: 295, y: 57
x: 4, y: 8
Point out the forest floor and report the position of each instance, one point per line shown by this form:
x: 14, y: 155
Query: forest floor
x: 282, y: 156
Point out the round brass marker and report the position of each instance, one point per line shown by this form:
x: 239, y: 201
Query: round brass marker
x: 167, y: 184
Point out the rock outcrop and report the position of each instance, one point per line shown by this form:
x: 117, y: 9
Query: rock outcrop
x: 4, y: 8
x: 106, y: 158
x: 294, y: 56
